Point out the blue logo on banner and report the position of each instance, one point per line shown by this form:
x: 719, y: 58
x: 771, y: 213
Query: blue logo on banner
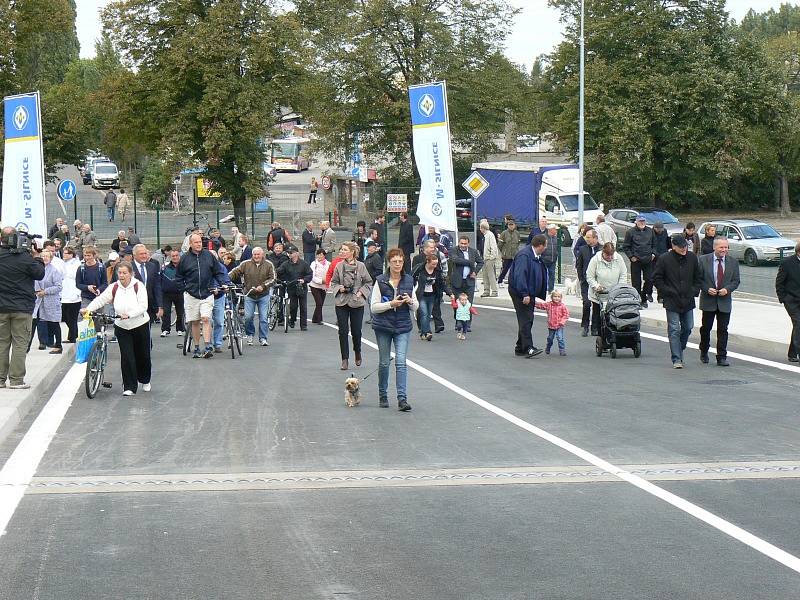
x: 427, y: 104
x: 66, y: 190
x: 21, y: 117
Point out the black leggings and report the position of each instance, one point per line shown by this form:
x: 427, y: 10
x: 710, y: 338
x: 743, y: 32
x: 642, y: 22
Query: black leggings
x: 349, y: 320
x: 134, y: 352
x: 319, y: 302
x: 69, y: 315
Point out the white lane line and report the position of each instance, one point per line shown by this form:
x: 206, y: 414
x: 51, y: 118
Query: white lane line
x: 702, y: 514
x: 651, y: 336
x: 16, y: 474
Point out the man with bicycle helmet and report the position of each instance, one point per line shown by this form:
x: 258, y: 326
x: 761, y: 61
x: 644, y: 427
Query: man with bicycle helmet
x: 198, y: 272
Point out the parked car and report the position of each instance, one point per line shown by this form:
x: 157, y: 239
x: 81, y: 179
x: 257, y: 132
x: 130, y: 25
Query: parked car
x: 752, y: 241
x: 105, y: 175
x: 622, y: 219
x: 464, y: 214
x: 88, y: 167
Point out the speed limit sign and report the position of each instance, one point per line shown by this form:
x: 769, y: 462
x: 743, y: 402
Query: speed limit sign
x: 326, y: 182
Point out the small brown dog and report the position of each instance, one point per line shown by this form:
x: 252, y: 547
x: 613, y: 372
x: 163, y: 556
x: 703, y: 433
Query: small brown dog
x: 352, y: 391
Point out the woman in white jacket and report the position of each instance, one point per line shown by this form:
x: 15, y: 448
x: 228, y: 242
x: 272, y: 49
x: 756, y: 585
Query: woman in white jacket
x: 605, y: 270
x: 70, y: 295
x: 132, y: 327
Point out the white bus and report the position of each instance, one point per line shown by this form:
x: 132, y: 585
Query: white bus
x: 289, y: 154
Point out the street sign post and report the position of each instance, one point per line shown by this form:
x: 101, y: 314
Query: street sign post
x: 67, y: 191
x: 326, y: 182
x: 475, y: 184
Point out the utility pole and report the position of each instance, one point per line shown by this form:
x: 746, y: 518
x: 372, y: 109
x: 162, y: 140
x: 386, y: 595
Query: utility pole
x: 580, y: 122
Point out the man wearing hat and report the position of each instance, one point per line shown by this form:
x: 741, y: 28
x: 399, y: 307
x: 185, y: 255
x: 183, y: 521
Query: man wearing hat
x: 678, y: 277
x: 639, y: 246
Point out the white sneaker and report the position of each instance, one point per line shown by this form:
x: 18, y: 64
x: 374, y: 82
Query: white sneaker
x: 249, y: 340
x: 145, y: 387
x: 164, y: 333
x: 264, y: 342
x: 127, y: 393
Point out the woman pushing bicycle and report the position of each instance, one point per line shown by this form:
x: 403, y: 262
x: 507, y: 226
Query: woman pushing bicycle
x: 132, y: 327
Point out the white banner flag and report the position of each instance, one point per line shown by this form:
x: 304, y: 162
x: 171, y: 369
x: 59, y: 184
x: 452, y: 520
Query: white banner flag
x: 431, y: 132
x: 23, y: 170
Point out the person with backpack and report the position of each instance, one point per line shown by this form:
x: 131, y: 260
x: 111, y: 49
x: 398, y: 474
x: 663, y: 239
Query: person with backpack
x: 277, y: 235
x: 111, y: 202
x: 132, y: 327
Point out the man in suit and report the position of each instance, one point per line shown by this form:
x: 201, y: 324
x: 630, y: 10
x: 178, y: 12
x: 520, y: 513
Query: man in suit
x: 540, y: 230
x: 787, y: 286
x: 465, y: 264
x: 527, y: 280
x: 149, y: 273
x: 309, y: 242
x: 719, y: 279
x: 406, y: 240
x: 585, y: 255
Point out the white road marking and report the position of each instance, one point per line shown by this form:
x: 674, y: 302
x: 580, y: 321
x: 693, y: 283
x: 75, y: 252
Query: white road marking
x: 16, y: 474
x: 651, y: 336
x: 702, y: 514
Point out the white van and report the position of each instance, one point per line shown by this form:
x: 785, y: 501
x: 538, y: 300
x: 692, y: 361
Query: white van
x: 105, y: 175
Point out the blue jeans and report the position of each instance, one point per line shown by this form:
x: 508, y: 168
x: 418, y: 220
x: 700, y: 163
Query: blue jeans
x: 249, y: 313
x: 426, y: 313
x: 385, y: 339
x: 218, y: 318
x: 558, y: 334
x: 551, y: 276
x: 110, y: 211
x: 679, y: 328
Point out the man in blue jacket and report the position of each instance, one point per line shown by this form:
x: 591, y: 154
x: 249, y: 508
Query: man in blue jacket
x: 527, y: 280
x: 197, y: 273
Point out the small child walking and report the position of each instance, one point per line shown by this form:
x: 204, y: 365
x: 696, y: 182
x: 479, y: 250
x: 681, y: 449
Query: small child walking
x: 557, y: 317
x: 464, y: 312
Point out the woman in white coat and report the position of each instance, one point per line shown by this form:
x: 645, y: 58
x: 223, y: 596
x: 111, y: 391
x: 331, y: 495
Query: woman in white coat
x: 132, y: 327
x: 70, y: 295
x: 605, y: 270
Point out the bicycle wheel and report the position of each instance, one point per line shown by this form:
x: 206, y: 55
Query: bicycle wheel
x: 238, y: 329
x: 94, y: 369
x: 286, y: 315
x: 272, y: 318
x: 231, y: 334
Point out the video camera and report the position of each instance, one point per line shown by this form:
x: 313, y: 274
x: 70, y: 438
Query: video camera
x: 19, y: 241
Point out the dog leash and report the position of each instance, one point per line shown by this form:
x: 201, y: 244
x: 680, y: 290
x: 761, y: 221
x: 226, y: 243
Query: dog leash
x: 391, y: 358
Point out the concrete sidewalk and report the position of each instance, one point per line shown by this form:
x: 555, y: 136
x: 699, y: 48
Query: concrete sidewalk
x: 42, y: 368
x: 764, y: 322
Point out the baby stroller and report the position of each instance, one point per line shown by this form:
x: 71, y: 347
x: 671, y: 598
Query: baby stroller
x: 620, y: 321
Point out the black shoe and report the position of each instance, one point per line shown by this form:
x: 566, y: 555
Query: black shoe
x: 723, y: 362
x: 794, y: 359
x: 534, y: 351
x: 704, y: 358
x: 644, y: 304
x: 519, y: 352
x: 585, y: 332
x: 403, y: 406
x: 291, y: 324
x: 383, y: 403
x: 595, y: 333
x: 439, y: 330
x: 650, y: 297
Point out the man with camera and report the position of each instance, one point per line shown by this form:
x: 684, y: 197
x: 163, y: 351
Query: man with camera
x: 18, y: 270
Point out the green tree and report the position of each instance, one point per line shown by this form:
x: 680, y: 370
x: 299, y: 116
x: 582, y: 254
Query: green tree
x: 212, y: 75
x: 369, y: 53
x: 672, y: 89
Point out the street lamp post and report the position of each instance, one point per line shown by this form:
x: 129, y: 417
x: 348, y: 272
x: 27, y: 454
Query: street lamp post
x: 580, y: 124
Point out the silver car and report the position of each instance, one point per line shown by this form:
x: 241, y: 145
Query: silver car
x: 752, y: 241
x: 622, y: 219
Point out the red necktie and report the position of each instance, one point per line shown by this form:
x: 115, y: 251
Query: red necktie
x: 720, y: 273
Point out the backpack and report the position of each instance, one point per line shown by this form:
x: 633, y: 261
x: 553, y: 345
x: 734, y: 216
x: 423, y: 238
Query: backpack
x: 116, y: 285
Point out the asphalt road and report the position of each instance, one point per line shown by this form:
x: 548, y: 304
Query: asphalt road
x: 251, y: 479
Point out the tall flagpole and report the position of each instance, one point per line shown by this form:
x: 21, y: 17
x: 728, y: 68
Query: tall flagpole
x: 580, y: 124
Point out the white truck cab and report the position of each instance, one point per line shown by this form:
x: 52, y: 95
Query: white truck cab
x: 558, y: 200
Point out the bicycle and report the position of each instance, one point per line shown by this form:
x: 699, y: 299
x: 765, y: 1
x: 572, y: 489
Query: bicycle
x: 279, y: 307
x: 98, y: 355
x: 232, y: 322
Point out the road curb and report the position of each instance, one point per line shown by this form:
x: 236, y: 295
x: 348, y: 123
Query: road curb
x: 16, y: 404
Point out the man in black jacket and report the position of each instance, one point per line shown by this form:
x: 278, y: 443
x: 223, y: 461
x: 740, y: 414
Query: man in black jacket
x: 148, y: 272
x: 18, y: 271
x: 465, y: 264
x: 309, y: 242
x: 787, y: 286
x: 171, y: 295
x: 585, y: 254
x: 678, y: 278
x: 406, y: 240
x: 296, y: 273
x: 429, y: 247
x: 639, y: 246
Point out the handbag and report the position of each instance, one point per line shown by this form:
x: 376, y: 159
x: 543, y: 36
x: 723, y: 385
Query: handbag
x: 86, y: 335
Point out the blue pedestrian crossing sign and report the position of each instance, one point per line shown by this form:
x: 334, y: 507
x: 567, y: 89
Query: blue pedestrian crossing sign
x: 67, y: 190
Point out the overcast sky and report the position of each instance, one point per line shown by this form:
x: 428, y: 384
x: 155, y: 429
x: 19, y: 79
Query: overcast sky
x: 536, y: 30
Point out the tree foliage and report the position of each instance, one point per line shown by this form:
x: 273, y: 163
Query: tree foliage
x: 211, y: 76
x: 674, y: 93
x: 368, y: 53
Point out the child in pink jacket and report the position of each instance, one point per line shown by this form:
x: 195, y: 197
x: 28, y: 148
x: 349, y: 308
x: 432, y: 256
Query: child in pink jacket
x: 557, y: 317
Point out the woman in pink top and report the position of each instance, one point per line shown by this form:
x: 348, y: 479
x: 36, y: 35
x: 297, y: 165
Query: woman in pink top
x: 318, y: 285
x: 557, y: 317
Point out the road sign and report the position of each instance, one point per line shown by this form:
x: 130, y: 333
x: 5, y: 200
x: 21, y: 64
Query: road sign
x: 396, y: 203
x: 363, y: 174
x: 326, y: 182
x: 355, y: 172
x: 66, y: 190
x: 475, y: 184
